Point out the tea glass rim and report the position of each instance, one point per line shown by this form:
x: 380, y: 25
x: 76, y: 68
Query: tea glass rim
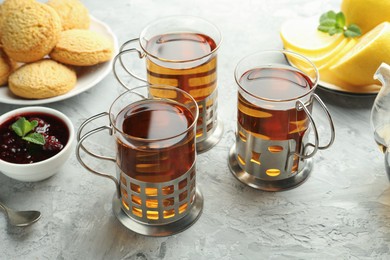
x: 133, y: 90
x: 187, y: 17
x: 315, y: 81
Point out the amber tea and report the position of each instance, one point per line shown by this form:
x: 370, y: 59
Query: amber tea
x: 268, y: 123
x: 161, y: 161
x: 199, y: 80
x: 168, y: 153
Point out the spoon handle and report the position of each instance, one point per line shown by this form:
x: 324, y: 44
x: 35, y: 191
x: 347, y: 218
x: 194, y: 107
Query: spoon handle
x: 4, y: 207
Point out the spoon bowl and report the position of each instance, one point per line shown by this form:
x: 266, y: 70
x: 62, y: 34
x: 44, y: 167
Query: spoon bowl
x: 21, y: 218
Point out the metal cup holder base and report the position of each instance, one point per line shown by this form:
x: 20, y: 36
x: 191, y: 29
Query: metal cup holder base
x: 265, y: 185
x: 155, y: 230
x: 211, y: 140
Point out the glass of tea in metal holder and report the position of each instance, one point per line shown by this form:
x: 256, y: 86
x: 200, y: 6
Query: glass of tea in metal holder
x: 154, y: 129
x: 272, y: 151
x: 181, y: 51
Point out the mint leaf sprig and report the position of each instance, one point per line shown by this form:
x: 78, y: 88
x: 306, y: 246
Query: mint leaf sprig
x: 22, y: 127
x: 333, y: 23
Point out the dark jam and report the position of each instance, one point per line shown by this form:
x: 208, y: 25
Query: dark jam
x: 14, y: 149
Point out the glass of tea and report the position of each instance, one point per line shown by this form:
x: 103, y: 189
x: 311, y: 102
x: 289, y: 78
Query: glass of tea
x: 273, y: 150
x: 181, y: 51
x: 154, y: 128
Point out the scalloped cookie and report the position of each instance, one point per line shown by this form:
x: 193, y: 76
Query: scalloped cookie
x: 42, y: 79
x: 82, y: 48
x: 73, y: 14
x: 30, y: 30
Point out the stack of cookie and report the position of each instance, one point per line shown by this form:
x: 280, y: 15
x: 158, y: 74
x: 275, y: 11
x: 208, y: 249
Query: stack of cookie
x: 41, y: 45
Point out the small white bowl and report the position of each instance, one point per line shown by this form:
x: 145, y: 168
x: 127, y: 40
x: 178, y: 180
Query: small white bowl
x: 44, y: 169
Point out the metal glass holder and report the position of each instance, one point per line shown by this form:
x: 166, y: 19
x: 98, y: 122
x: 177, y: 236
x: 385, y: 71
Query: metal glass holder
x: 209, y: 132
x: 160, y: 230
x: 267, y: 164
x: 158, y: 209
x: 268, y: 185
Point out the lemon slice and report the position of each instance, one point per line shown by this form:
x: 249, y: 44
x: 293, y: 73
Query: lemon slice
x: 358, y: 65
x: 337, y: 54
x: 301, y: 35
x: 321, y: 59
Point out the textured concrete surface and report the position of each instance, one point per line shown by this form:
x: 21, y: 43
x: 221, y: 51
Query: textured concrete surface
x: 341, y: 212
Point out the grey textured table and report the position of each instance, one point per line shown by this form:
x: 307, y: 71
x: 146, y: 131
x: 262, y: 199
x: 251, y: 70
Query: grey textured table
x: 342, y: 211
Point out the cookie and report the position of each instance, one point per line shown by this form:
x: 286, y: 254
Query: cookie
x: 30, y: 30
x: 73, y: 14
x: 15, y: 4
x: 6, y: 67
x: 9, y: 6
x: 42, y: 79
x: 82, y: 48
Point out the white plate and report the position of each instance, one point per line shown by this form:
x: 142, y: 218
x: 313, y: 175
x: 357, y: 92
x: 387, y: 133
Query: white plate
x: 87, y: 77
x: 350, y: 90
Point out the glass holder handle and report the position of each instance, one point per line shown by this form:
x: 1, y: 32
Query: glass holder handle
x: 123, y: 51
x: 316, y: 146
x: 332, y: 128
x: 82, y: 137
x: 300, y: 106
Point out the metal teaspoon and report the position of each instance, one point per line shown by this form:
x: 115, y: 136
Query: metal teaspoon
x: 21, y: 218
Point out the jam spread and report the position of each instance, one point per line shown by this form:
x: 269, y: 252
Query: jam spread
x: 14, y: 149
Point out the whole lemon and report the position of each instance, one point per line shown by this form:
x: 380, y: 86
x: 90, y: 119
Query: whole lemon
x: 366, y: 13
